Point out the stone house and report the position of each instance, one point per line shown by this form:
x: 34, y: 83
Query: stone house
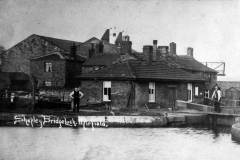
x: 232, y: 97
x: 56, y: 70
x: 156, y: 81
x: 49, y: 60
x: 230, y: 92
x: 17, y: 58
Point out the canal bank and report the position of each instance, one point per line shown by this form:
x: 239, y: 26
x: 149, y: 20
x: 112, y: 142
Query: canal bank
x: 167, y: 119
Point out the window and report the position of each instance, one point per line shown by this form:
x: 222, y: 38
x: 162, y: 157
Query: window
x: 48, y: 67
x: 151, y: 92
x: 189, y: 91
x: 48, y: 83
x: 107, y: 91
x: 95, y: 68
x: 196, y: 91
x: 206, y: 94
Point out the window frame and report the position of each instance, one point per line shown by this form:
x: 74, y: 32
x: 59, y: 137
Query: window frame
x: 48, y: 83
x: 196, y: 88
x: 47, y: 66
x: 151, y: 92
x: 189, y: 89
x: 107, y: 88
x: 207, y: 92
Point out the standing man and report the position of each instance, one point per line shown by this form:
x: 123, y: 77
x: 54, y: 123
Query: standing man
x: 76, y: 95
x: 216, y: 97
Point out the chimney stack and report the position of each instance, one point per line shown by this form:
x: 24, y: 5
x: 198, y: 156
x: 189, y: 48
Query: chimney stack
x: 73, y: 51
x: 190, y: 51
x: 101, y: 47
x: 173, y: 49
x: 148, y: 53
x: 154, y: 58
x: 91, y: 51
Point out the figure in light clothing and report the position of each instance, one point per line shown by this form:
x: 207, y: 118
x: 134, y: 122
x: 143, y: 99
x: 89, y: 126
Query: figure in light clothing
x: 216, y: 97
x: 76, y: 95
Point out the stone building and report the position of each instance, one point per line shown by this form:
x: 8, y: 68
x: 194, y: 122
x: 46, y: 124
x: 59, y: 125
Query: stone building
x: 56, y: 69
x: 156, y: 81
x: 17, y: 58
x: 230, y: 93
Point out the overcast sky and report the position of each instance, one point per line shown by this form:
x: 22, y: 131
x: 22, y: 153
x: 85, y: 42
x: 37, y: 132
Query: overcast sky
x: 211, y: 27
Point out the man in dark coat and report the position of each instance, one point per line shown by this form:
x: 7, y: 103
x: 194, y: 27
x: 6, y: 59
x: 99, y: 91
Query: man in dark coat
x: 217, y: 96
x: 76, y: 95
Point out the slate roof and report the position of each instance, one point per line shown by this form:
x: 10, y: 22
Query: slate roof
x: 116, y: 71
x: 139, y: 70
x: 93, y: 39
x: 61, y: 43
x: 188, y: 63
x: 160, y: 70
x: 102, y: 60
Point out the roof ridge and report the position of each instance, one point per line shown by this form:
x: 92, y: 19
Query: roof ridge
x: 54, y: 52
x: 56, y: 38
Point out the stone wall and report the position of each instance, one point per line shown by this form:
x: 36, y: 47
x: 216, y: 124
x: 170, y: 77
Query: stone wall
x: 121, y: 91
x: 17, y: 58
x: 93, y: 91
x: 162, y: 95
x: 57, y: 76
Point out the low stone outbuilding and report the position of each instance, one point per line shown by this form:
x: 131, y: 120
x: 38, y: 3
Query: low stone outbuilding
x: 152, y: 82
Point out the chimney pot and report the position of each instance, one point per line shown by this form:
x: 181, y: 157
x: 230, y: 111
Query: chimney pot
x: 148, y: 53
x: 190, y: 51
x: 154, y: 56
x: 73, y: 51
x: 173, y: 49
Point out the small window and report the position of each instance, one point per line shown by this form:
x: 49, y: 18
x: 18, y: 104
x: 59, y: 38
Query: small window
x: 48, y: 83
x: 48, y: 67
x: 151, y: 92
x: 95, y: 68
x: 206, y: 94
x: 196, y: 91
x: 107, y: 91
x: 189, y: 91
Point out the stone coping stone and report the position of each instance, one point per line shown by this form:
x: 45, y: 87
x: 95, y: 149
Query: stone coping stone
x: 235, y: 131
x: 40, y: 120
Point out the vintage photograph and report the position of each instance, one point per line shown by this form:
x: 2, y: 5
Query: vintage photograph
x: 119, y: 79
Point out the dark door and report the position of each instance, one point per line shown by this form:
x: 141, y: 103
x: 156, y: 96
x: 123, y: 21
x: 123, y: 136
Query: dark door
x: 172, y: 97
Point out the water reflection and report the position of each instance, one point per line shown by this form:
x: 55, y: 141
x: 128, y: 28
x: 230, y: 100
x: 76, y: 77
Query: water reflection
x: 118, y: 143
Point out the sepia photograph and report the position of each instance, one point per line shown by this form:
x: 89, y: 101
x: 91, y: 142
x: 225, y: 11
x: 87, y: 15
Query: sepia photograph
x: 119, y: 79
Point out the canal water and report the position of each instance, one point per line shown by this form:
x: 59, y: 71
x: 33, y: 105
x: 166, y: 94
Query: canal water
x: 117, y: 144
